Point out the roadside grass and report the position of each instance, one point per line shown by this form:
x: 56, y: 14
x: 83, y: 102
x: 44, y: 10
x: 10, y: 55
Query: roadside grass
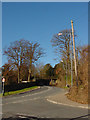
x: 65, y: 87
x: 0, y: 94
x: 19, y: 91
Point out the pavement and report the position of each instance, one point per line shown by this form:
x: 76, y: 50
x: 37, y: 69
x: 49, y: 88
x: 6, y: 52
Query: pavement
x: 62, y: 99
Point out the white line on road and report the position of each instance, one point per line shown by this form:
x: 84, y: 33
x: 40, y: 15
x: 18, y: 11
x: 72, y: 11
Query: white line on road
x: 25, y: 115
x: 22, y: 116
x: 65, y: 104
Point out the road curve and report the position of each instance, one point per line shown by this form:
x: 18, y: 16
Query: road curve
x: 35, y: 104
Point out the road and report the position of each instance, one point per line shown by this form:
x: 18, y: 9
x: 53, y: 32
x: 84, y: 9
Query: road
x: 35, y: 104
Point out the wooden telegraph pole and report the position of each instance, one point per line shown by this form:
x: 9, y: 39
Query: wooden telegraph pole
x: 74, y: 54
x: 71, y: 62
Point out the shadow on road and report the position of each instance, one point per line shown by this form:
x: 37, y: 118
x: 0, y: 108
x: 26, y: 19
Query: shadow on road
x: 35, y: 118
x: 82, y: 117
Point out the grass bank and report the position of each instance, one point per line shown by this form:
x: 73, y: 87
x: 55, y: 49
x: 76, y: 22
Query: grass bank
x: 20, y: 91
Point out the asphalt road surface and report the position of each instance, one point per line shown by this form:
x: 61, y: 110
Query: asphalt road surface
x: 35, y: 104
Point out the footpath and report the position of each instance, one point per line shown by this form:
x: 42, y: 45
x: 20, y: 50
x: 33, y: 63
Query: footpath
x: 62, y: 99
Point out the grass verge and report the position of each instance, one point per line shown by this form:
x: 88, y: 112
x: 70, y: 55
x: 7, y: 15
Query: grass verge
x: 20, y: 91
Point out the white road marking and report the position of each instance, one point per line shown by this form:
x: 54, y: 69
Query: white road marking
x: 22, y: 117
x: 65, y: 104
x: 27, y: 115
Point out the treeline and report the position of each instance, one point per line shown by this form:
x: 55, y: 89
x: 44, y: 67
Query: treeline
x: 38, y: 72
x: 23, y: 54
x: 10, y: 72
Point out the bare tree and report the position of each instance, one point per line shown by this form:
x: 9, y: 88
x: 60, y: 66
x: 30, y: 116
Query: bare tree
x: 62, y: 42
x: 62, y: 45
x: 23, y: 53
x: 33, y: 53
x: 16, y: 54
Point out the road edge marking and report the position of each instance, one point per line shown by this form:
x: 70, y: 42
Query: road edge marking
x: 54, y: 102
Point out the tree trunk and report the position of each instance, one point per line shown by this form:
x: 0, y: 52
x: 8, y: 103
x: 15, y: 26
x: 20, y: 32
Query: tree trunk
x: 29, y: 75
x: 30, y: 70
x: 18, y: 75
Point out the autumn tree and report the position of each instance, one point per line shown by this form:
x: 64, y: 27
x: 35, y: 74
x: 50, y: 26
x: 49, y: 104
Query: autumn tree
x: 83, y: 66
x: 9, y: 73
x: 58, y: 69
x: 80, y: 93
x: 48, y: 71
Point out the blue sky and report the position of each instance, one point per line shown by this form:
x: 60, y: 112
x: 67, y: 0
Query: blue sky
x: 39, y: 21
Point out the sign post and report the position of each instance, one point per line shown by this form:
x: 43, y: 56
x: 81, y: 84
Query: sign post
x: 3, y: 80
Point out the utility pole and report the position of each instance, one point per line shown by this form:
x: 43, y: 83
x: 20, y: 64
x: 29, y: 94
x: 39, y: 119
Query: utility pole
x: 71, y: 62
x: 74, y: 54
x: 66, y: 72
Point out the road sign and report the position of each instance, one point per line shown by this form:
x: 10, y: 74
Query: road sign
x: 3, y: 79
